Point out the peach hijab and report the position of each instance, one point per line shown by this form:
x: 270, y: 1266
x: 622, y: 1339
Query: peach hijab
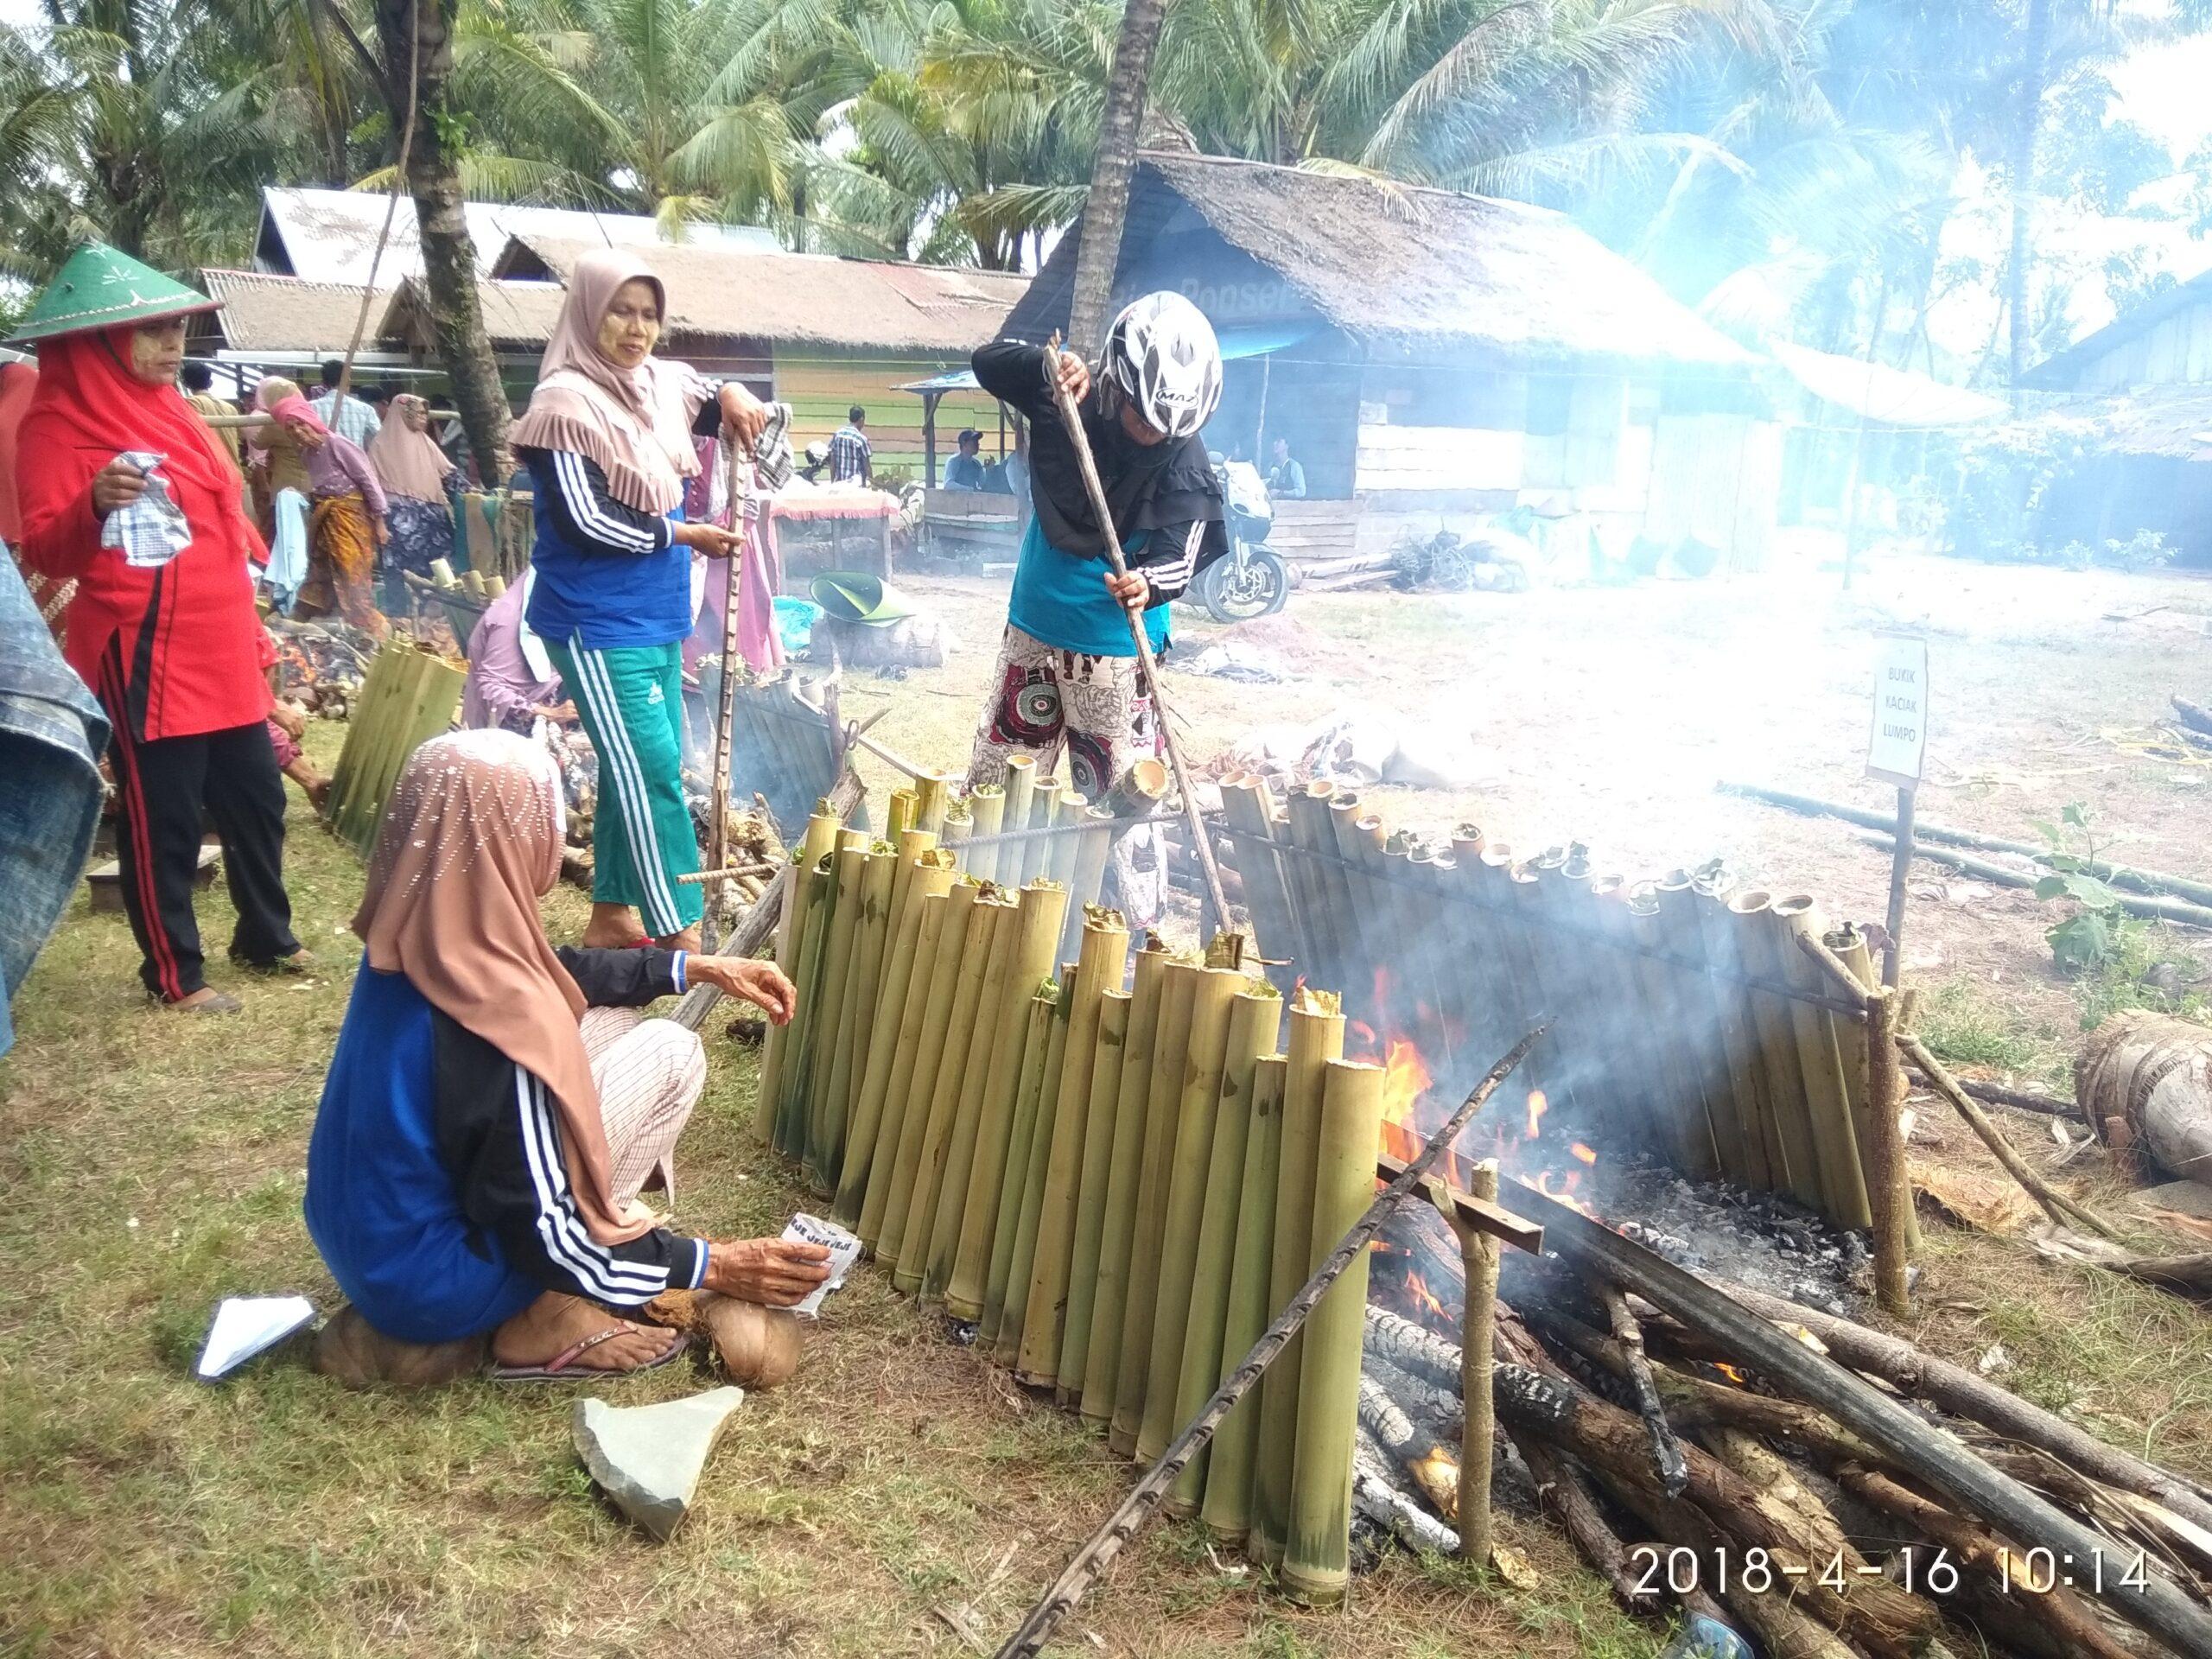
x: 470, y: 841
x: 635, y: 424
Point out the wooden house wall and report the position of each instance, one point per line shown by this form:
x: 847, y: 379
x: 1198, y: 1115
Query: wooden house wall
x: 2176, y: 350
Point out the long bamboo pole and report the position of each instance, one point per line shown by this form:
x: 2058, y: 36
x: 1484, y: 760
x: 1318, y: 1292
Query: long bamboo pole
x: 1042, y: 905
x: 1227, y: 1510
x: 849, y: 1041
x: 791, y: 1110
x: 1040, y: 1019
x: 942, y: 987
x: 848, y: 867
x: 1014, y: 1302
x: 1249, y: 807
x: 820, y: 836
x: 1211, y: 1005
x: 1100, y: 967
x: 1110, y: 1301
x: 1164, y: 1092
x: 1254, y: 1026
x: 1099, y: 1129
x: 934, y: 901
x: 931, y: 878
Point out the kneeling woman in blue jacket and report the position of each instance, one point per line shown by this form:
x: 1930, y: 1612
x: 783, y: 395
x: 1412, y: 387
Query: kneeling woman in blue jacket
x: 495, y: 1105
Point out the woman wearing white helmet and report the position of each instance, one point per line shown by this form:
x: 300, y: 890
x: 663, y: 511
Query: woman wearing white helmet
x: 1067, y: 671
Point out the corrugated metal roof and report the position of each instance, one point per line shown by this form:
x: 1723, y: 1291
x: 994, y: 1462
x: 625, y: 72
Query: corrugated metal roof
x: 331, y: 235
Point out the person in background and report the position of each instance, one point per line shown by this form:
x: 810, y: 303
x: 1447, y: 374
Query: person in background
x: 513, y: 684
x: 1286, y: 479
x: 163, y: 624
x: 349, y: 416
x: 52, y: 733
x: 850, y: 456
x: 1067, y: 673
x: 607, y: 442
x: 964, y: 470
x: 419, y: 482
x: 495, y: 1106
x: 347, y: 523
x: 277, y: 473
x: 198, y: 383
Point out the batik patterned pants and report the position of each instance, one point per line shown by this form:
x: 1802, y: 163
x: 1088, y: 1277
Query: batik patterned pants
x: 650, y: 1074
x: 1044, y: 700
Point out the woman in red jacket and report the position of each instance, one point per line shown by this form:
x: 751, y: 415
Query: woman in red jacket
x: 126, y: 492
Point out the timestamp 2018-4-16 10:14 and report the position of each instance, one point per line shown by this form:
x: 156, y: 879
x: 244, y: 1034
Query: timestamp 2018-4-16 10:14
x: 1917, y: 1571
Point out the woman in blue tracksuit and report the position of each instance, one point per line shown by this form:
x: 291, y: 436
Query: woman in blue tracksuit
x: 607, y: 442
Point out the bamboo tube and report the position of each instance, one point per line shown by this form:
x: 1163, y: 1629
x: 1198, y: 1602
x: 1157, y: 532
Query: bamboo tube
x: 1178, y: 985
x: 1328, y: 894
x: 1397, y: 880
x: 820, y: 836
x: 1249, y: 809
x: 934, y: 905
x: 850, y: 1039
x: 1645, y: 1009
x: 1556, y: 999
x: 791, y: 1109
x: 1105, y: 954
x: 1187, y: 1193
x: 1037, y: 1024
x: 932, y: 794
x: 1850, y: 946
x: 1068, y: 811
x: 958, y: 825
x: 1099, y: 1130
x: 1227, y: 1510
x: 1755, y: 940
x: 1015, y: 1309
x: 987, y: 812
x: 1835, y: 1141
x: 1030, y: 960
x: 1020, y: 785
x: 1497, y: 993
x: 911, y: 844
x: 1366, y: 922
x: 1489, y: 877
x: 1317, y: 1038
x: 931, y: 878
x: 1254, y: 1026
x: 957, y: 1101
x: 1316, y: 1563
x: 899, y: 816
x: 942, y: 987
x: 1036, y: 852
x: 1094, y: 845
x: 1698, y: 926
x: 1709, y: 1118
x: 1103, y: 1359
x: 849, y: 867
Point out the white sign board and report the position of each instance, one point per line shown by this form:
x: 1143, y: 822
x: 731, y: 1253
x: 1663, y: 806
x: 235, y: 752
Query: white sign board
x: 1900, y: 741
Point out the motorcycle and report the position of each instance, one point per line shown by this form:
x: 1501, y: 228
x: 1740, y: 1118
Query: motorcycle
x: 1253, y: 581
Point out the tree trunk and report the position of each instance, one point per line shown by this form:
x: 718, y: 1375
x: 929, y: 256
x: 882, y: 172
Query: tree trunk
x: 421, y: 31
x: 2027, y: 126
x: 1108, y: 204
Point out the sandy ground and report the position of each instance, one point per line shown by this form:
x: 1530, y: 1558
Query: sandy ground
x: 1606, y: 716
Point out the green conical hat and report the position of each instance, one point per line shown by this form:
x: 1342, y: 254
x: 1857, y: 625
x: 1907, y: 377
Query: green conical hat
x: 101, y: 286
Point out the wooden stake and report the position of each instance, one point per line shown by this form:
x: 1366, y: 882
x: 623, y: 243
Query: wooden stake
x: 1900, y: 867
x: 1479, y: 1258
x: 1888, y: 1189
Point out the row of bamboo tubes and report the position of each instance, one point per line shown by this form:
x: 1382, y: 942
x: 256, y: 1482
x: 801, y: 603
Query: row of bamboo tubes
x: 1096, y: 1155
x: 1685, y: 1000
x: 406, y: 697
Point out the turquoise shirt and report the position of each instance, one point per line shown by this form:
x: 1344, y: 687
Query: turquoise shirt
x: 1061, y: 599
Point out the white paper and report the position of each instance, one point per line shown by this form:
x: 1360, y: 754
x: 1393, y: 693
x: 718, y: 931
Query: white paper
x: 1899, y: 740
x: 246, y: 1326
x: 844, y: 1250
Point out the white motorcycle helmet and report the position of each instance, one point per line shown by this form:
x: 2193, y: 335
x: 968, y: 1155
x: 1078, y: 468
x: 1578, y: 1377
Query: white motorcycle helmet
x: 1162, y: 355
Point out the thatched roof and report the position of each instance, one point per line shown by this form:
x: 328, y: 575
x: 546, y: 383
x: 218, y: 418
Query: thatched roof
x: 1404, y: 269
x: 2173, y: 421
x: 804, y: 299
x: 2063, y: 371
x: 283, y: 313
x: 518, y: 316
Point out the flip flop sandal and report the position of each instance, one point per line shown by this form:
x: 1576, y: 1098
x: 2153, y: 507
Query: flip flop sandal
x: 561, y: 1367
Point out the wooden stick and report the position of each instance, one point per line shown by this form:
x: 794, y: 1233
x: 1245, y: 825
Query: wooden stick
x: 1889, y: 1188
x: 1478, y: 1255
x: 1099, y: 1551
x: 1072, y: 418
x: 2059, y: 1208
x: 726, y: 704
x: 1666, y: 1449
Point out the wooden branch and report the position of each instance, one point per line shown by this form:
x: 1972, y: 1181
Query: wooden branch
x: 2059, y: 1208
x: 1104, y: 1545
x: 1889, y: 1183
x: 1666, y: 1451
x: 1478, y: 1417
x: 1467, y: 1210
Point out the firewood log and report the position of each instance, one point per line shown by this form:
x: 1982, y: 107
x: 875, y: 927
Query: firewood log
x: 2153, y: 1074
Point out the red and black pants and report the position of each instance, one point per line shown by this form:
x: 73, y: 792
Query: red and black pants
x: 167, y: 790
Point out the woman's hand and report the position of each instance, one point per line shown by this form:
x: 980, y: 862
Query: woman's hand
x: 1075, y: 375
x: 117, y: 485
x: 743, y: 414
x: 382, y: 533
x: 288, y: 719
x: 760, y: 983
x: 561, y: 713
x: 1133, y: 590
x: 711, y: 539
x: 773, y: 1272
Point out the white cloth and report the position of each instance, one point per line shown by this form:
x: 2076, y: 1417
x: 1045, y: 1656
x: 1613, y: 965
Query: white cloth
x: 288, y: 552
x: 151, y: 530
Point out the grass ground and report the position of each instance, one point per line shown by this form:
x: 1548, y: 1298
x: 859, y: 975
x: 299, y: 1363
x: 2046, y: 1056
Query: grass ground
x: 150, y: 1165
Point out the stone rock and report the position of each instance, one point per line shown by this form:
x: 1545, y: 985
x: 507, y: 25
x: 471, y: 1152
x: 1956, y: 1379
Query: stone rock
x: 647, y: 1458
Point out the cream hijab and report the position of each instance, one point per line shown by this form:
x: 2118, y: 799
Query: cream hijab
x: 635, y: 424
x: 408, y: 461
x: 470, y: 843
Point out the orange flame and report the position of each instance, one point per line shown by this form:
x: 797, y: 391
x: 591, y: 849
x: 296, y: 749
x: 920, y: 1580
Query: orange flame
x: 1537, y: 1107
x: 1587, y: 1155
x: 1424, y: 1299
x: 1732, y: 1374
x: 1404, y: 1080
